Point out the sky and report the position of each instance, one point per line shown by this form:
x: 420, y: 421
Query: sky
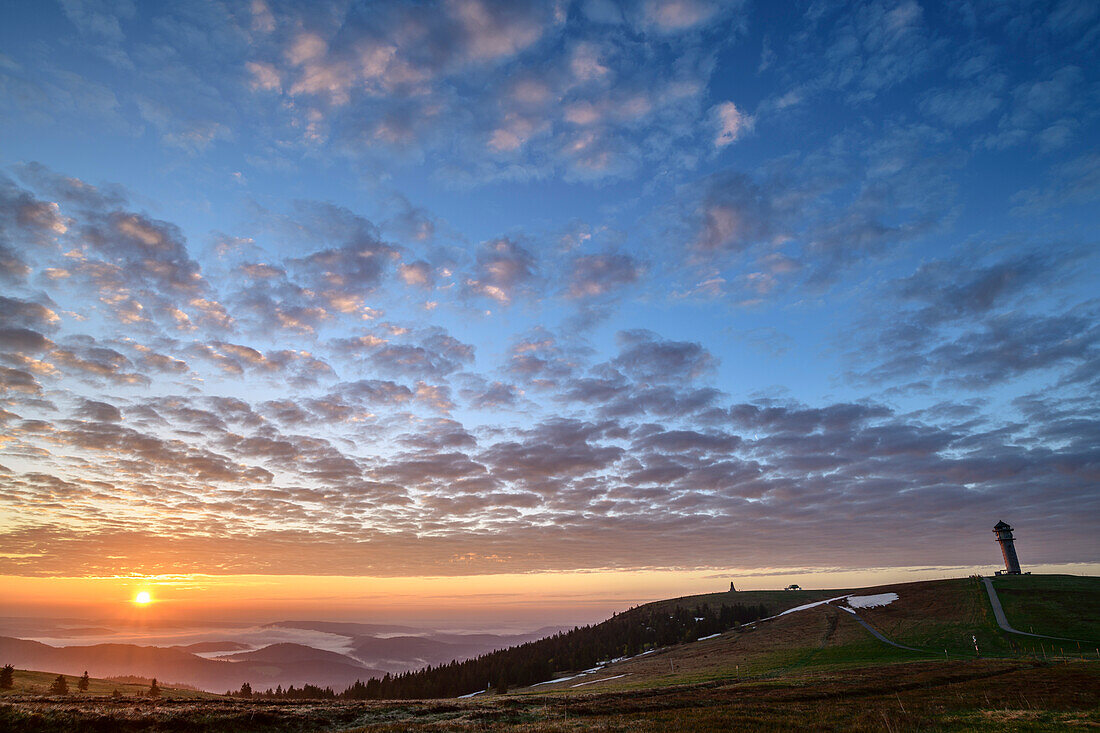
x: 408, y: 309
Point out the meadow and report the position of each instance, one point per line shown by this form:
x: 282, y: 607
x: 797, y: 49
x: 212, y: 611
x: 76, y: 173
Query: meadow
x: 980, y: 695
x: 813, y: 669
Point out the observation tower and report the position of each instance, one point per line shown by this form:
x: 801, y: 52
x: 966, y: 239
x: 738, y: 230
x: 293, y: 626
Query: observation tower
x: 1008, y: 549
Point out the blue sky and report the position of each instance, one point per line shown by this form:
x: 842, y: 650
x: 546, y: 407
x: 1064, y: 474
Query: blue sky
x: 476, y: 287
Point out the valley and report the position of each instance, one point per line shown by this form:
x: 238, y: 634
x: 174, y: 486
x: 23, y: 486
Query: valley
x: 813, y: 659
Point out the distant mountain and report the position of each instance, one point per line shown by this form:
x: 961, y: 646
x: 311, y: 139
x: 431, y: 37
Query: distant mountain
x: 346, y: 629
x: 291, y: 654
x: 177, y: 665
x: 411, y: 651
x: 401, y: 653
x: 213, y: 646
x: 220, y: 665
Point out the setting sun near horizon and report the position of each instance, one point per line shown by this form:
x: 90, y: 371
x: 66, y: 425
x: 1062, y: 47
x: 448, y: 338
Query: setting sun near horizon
x: 143, y: 598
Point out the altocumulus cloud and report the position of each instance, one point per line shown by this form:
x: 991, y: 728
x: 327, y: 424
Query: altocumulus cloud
x: 474, y: 286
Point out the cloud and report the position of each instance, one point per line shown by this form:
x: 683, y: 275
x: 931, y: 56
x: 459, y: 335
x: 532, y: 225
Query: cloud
x: 730, y: 123
x: 151, y: 250
x: 371, y: 392
x: 436, y: 396
x: 418, y: 273
x: 1008, y: 346
x: 282, y: 399
x: 355, y: 266
x: 432, y: 352
x: 397, y: 49
x: 954, y: 289
x: 1040, y: 107
x: 18, y: 380
x: 495, y: 29
x: 514, y: 79
x: 26, y: 223
x: 970, y: 324
x: 732, y: 213
x: 672, y: 16
x: 299, y: 368
x: 647, y: 357
x: 99, y: 411
x: 504, y: 268
x: 595, y: 275
x: 495, y: 395
x: 265, y: 76
x: 28, y: 314
x: 558, y: 448
x: 961, y: 106
x: 23, y: 340
x: 873, y: 47
x: 663, y: 401
x: 538, y: 358
x: 1076, y: 182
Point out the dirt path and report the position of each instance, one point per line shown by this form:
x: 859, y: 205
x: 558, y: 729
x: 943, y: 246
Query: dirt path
x: 875, y: 632
x: 999, y: 614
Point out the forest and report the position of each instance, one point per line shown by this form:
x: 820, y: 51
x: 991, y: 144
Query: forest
x: 623, y: 635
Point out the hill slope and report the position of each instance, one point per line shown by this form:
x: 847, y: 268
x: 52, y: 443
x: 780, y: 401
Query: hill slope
x: 27, y: 682
x: 177, y: 665
x: 936, y: 619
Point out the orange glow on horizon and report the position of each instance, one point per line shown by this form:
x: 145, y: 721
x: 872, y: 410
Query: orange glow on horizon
x: 552, y: 597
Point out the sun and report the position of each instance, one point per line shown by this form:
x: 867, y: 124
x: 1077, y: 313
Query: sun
x: 143, y: 598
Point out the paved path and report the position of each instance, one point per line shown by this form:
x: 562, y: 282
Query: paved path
x: 999, y: 613
x: 875, y: 633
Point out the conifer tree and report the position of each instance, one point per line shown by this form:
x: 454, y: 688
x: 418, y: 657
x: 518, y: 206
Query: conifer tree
x: 7, y: 677
x: 59, y: 686
x: 82, y: 683
x: 154, y: 691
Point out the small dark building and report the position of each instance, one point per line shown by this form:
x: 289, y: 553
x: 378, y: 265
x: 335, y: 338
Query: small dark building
x: 1008, y: 549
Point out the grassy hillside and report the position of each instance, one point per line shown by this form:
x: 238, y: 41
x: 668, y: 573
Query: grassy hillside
x: 940, y: 620
x: 816, y: 668
x: 38, y: 683
x: 1053, y: 605
x: 966, y: 696
x: 779, y: 600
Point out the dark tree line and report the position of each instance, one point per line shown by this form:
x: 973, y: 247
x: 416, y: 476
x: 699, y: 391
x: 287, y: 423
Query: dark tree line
x: 305, y: 692
x: 623, y: 635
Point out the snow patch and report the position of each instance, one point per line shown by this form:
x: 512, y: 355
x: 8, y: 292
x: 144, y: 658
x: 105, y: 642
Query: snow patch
x: 479, y: 692
x: 881, y: 599
x: 810, y: 605
x: 704, y: 638
x: 605, y: 679
x: 566, y: 679
x: 560, y: 679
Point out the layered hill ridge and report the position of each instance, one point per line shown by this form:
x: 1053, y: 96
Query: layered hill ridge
x: 765, y: 633
x: 177, y: 665
x: 288, y: 653
x: 691, y: 639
